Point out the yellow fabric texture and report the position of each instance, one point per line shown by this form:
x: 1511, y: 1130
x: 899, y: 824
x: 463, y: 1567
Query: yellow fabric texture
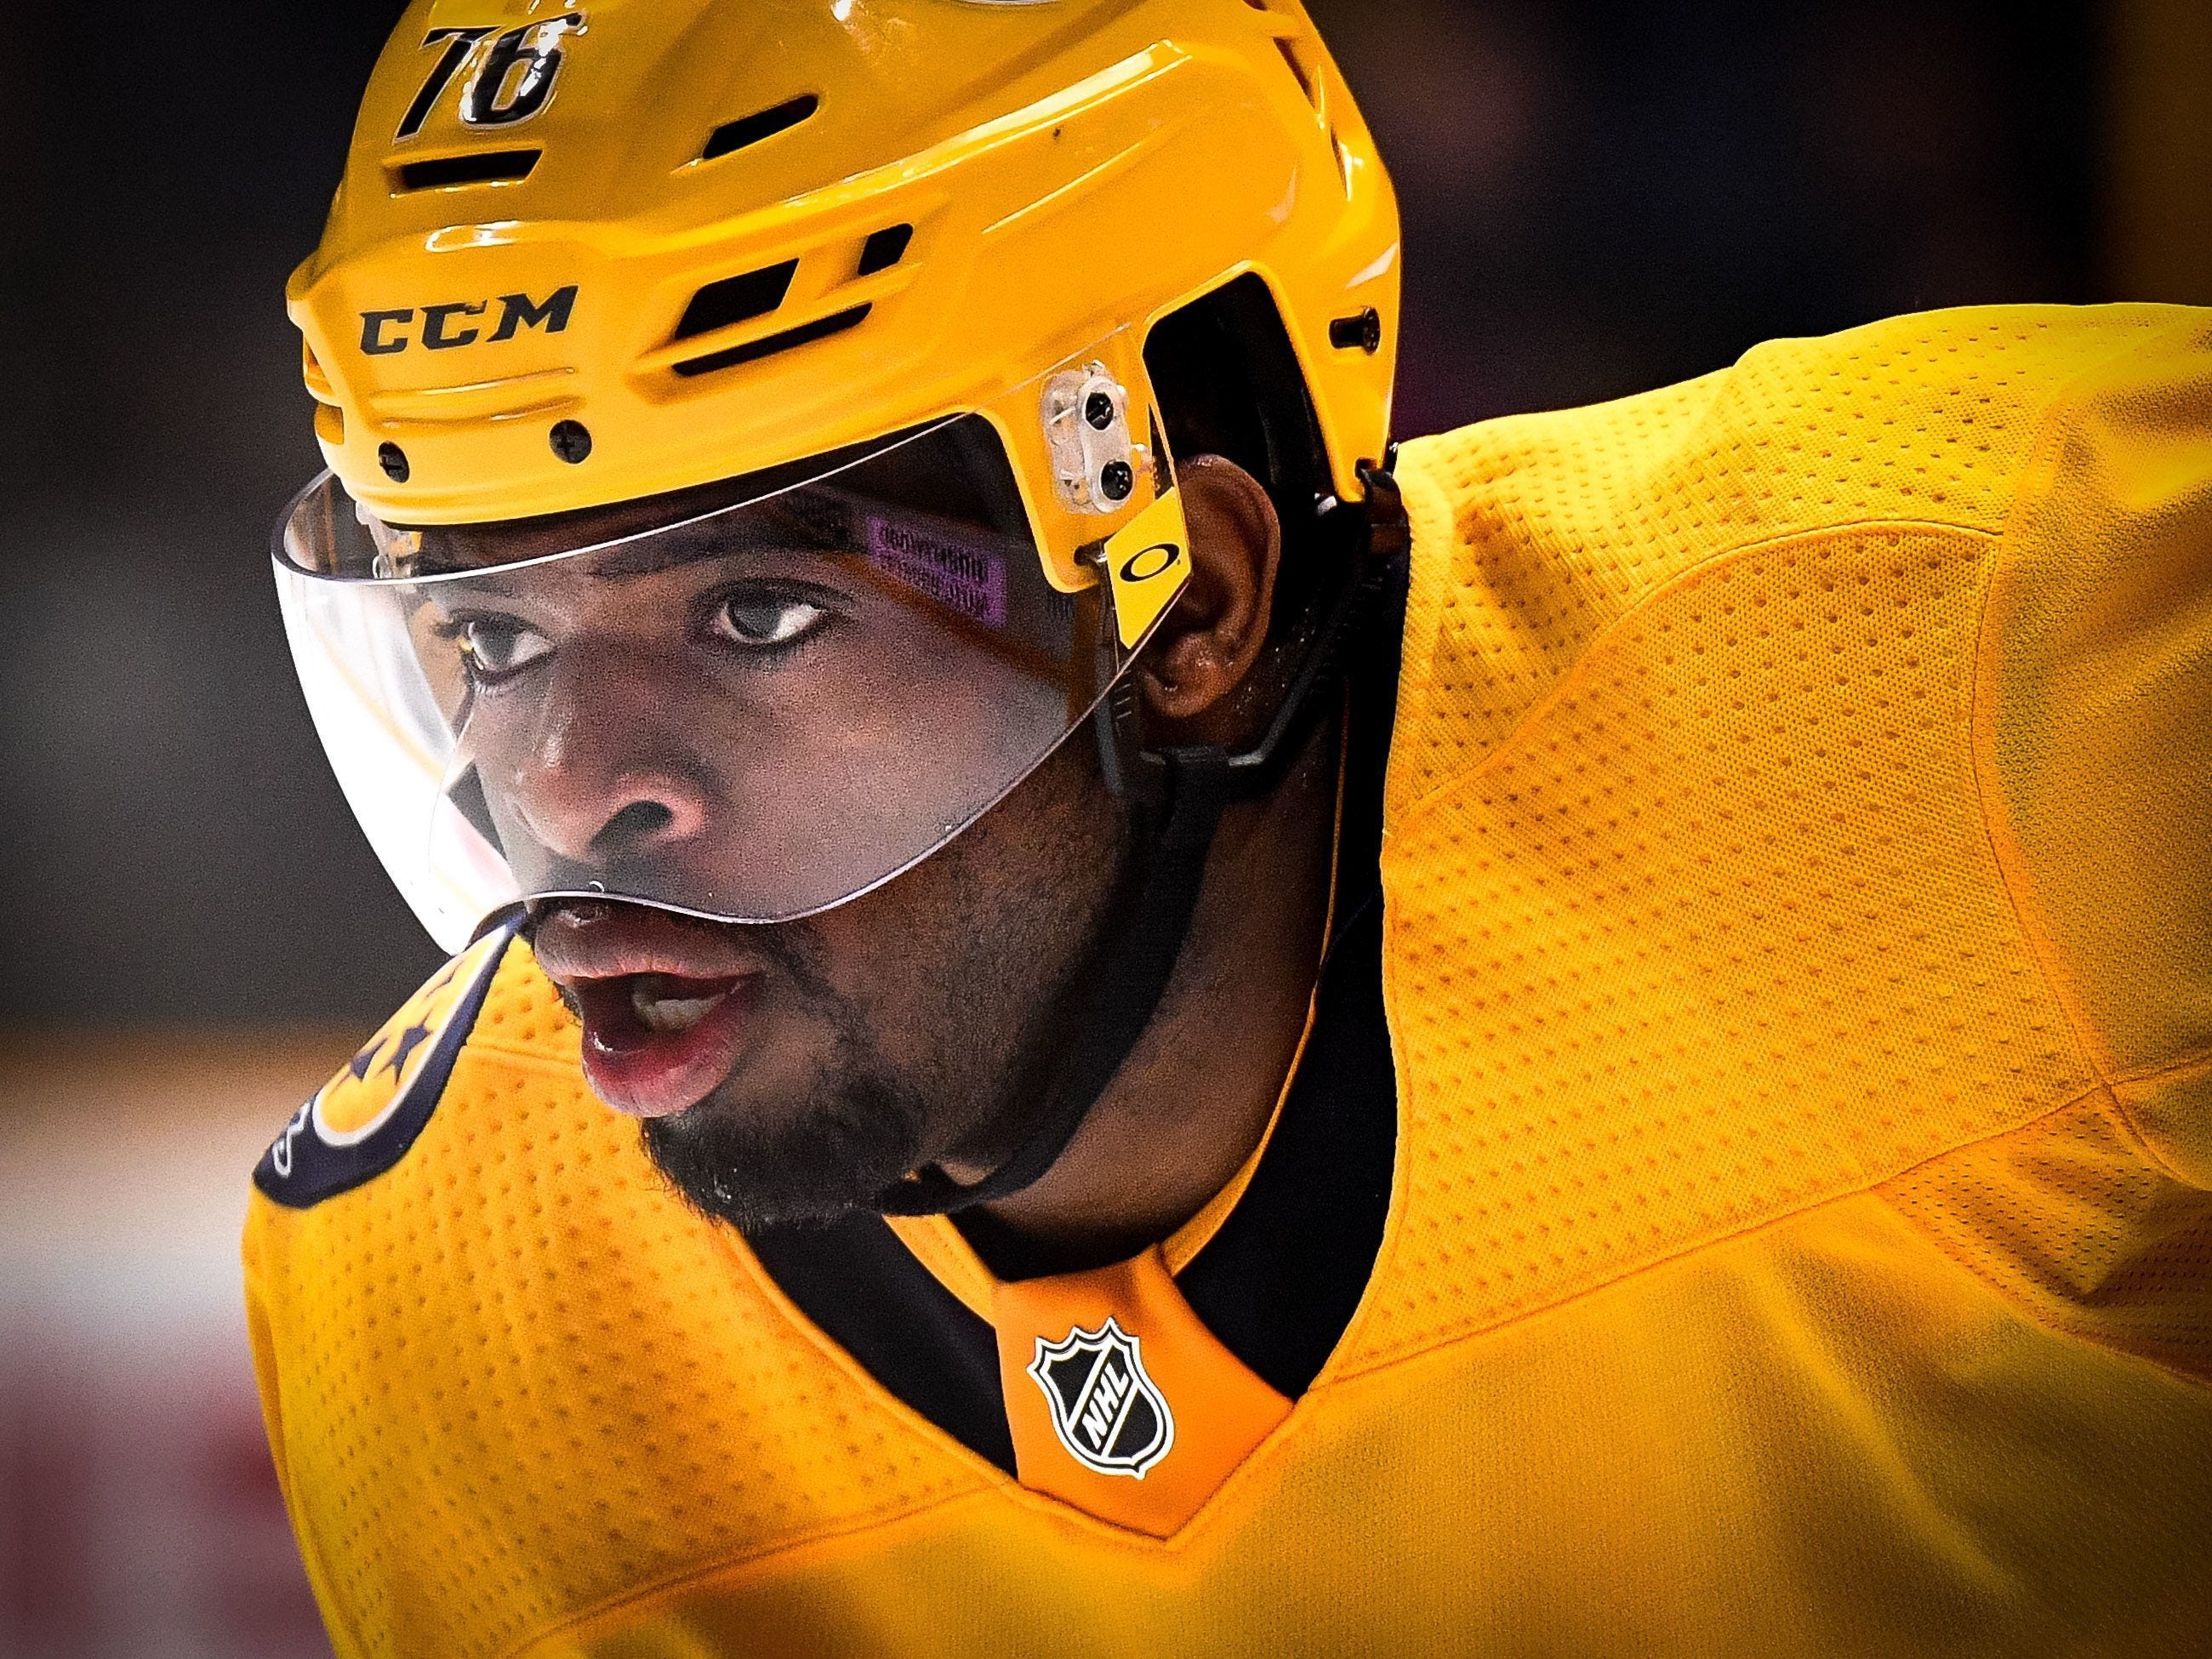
x: 1797, y: 957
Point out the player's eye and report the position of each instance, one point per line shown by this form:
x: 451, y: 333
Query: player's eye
x: 764, y: 622
x: 499, y: 647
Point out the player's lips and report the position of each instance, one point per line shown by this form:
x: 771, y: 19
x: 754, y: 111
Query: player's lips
x: 666, y: 1002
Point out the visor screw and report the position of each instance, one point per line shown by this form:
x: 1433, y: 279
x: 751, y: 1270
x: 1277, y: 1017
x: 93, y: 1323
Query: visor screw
x: 1360, y: 332
x: 394, y: 459
x: 572, y: 442
x: 1115, y: 480
x: 1098, y: 410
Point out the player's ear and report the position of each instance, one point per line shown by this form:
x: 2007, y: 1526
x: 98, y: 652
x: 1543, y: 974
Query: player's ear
x: 1212, y: 637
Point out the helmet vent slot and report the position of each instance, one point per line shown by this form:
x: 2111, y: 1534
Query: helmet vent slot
x: 488, y: 166
x: 737, y: 300
x: 1305, y: 67
x: 742, y: 134
x: 753, y: 350
x: 884, y: 249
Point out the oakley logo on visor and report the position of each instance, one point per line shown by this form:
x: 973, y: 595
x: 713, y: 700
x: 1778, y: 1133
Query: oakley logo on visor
x: 1148, y: 567
x: 444, y: 327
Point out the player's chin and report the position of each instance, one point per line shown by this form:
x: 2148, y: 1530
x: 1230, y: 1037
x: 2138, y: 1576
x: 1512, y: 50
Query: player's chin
x: 808, y: 1159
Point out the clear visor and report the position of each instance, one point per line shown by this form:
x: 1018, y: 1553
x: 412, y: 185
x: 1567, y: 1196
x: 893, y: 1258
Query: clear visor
x: 771, y: 697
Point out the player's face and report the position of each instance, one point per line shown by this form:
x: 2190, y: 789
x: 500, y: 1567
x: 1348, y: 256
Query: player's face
x: 696, y: 714
x: 795, y: 1071
x: 664, y: 717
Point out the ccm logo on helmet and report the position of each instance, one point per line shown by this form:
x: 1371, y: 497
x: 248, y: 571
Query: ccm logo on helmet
x: 444, y: 327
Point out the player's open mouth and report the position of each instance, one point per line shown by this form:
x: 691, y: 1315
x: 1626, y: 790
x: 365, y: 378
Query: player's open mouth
x: 665, y: 1004
x: 655, y: 1044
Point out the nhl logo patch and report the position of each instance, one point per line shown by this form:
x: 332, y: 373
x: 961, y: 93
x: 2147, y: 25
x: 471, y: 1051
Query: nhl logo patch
x: 1105, y: 1409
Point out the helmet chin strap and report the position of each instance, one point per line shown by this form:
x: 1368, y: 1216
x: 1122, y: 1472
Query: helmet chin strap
x: 1178, y: 795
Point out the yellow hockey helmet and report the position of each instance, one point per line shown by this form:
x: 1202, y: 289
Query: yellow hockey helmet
x: 876, y: 276
x: 722, y: 236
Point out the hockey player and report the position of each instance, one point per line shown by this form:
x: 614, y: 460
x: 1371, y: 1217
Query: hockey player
x: 1093, y: 1014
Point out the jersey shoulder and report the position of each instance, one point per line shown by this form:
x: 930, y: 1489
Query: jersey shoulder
x: 1926, y: 418
x: 1535, y: 535
x: 508, y: 1375
x: 1851, y: 704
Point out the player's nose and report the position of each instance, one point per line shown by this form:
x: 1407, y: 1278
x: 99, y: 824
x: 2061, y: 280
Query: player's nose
x: 614, y: 772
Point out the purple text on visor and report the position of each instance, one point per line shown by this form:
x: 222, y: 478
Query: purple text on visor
x: 956, y: 574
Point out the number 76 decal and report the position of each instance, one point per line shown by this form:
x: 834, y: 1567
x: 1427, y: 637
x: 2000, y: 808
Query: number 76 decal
x: 512, y: 79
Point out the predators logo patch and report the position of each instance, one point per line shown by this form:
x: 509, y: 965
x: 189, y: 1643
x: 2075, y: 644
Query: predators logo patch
x: 362, y: 1121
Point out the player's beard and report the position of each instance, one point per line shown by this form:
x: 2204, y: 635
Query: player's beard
x: 862, y: 1125
x: 856, y: 1130
x: 856, y: 1133
x: 996, y: 983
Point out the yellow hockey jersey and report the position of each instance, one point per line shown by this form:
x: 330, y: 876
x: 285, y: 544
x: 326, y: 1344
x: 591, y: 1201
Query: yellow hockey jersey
x: 1795, y: 1232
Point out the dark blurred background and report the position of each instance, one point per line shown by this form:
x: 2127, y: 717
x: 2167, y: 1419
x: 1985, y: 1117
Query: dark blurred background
x: 1599, y: 199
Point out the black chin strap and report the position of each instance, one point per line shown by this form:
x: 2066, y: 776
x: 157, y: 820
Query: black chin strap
x: 1179, y: 796
x: 1121, y: 987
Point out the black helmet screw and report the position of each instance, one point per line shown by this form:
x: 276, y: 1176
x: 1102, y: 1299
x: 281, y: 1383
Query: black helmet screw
x: 394, y: 459
x: 1359, y: 332
x: 572, y: 442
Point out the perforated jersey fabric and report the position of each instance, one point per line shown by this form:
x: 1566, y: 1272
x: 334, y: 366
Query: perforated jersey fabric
x: 1718, y: 714
x: 530, y: 1377
x: 1798, y: 858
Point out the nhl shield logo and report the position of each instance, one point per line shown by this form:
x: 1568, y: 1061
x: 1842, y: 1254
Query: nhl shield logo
x: 1106, y: 1411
